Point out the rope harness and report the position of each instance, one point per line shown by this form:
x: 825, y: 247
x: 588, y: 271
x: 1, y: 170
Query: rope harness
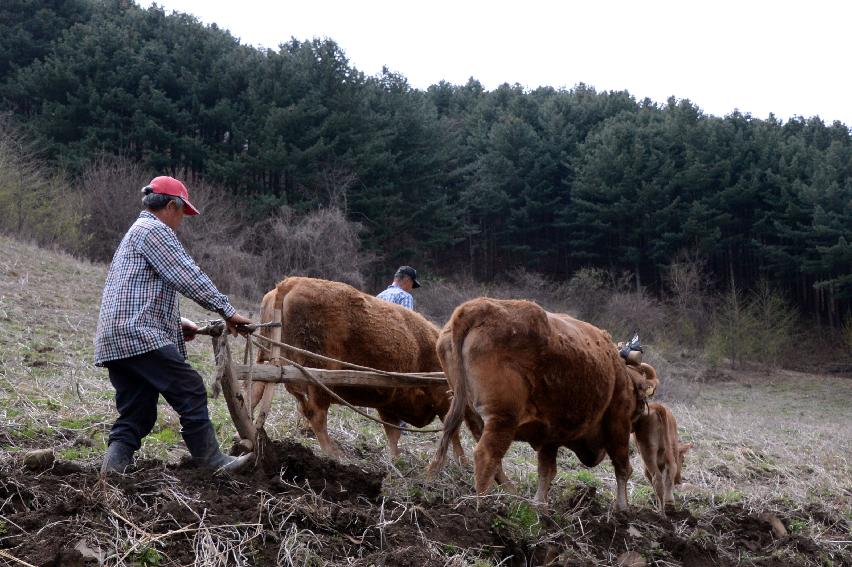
x: 216, y: 327
x: 316, y: 381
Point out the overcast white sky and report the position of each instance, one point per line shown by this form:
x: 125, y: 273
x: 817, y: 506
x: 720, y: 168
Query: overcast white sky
x: 790, y: 58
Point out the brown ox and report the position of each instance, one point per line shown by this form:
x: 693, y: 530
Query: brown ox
x: 662, y: 452
x: 533, y: 376
x: 338, y: 321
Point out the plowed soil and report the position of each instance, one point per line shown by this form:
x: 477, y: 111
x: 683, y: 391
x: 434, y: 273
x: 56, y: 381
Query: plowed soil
x: 170, y: 515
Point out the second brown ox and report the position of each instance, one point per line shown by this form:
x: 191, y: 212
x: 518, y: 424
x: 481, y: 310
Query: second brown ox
x: 338, y: 321
x: 534, y: 376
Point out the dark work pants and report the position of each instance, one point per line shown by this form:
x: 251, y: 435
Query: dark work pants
x: 139, y: 381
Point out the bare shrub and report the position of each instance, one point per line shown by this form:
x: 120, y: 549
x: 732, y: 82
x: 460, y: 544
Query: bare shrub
x: 732, y: 329
x: 243, y: 260
x: 689, y: 281
x: 218, y: 239
x: 627, y: 312
x: 332, y: 187
x: 437, y: 299
x: 534, y: 286
x: 321, y: 244
x: 34, y: 201
x: 776, y: 322
x: 846, y: 332
x: 110, y: 192
x: 755, y: 327
x: 586, y: 291
x: 679, y: 374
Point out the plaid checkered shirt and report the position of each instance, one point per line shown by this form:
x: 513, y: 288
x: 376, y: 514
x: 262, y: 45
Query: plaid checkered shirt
x: 395, y: 294
x: 139, y: 309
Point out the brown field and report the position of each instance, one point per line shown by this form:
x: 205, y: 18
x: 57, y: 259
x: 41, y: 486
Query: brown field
x: 767, y: 442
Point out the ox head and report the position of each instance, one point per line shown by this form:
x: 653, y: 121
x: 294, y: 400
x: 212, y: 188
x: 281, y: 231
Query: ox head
x: 682, y: 449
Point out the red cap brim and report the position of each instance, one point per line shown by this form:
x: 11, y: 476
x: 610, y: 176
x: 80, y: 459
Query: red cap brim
x: 189, y: 208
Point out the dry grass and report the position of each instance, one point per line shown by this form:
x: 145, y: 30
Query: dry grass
x: 764, y: 441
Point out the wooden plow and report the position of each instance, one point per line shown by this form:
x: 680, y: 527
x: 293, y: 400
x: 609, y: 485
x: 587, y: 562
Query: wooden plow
x: 235, y: 380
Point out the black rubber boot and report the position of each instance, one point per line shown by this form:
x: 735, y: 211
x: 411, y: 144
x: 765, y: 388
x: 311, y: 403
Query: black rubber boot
x: 117, y: 458
x: 204, y: 448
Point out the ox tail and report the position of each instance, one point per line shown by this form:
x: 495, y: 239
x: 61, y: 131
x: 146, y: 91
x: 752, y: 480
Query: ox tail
x: 459, y: 406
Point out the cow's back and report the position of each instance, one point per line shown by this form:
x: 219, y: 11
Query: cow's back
x: 336, y: 320
x: 539, y: 377
x: 340, y: 322
x: 560, y: 371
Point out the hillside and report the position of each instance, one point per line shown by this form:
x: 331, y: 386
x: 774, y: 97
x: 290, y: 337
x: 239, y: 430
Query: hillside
x: 454, y: 179
x: 766, y: 442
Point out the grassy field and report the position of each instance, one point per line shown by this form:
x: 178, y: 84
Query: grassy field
x: 767, y: 442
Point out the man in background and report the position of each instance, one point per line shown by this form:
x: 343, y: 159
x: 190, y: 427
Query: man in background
x: 399, y: 291
x: 140, y: 335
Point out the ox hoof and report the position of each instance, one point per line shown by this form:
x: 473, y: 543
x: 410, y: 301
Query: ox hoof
x: 333, y: 451
x: 433, y: 469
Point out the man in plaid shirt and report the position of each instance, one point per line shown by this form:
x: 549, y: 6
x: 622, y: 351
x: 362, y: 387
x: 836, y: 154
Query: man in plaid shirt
x: 140, y: 334
x: 399, y: 291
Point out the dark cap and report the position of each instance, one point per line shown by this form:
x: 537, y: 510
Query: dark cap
x: 408, y: 271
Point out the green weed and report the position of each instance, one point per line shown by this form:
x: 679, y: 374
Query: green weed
x: 149, y: 557
x: 79, y: 422
x: 46, y: 403
x: 521, y: 519
x: 643, y: 495
x: 29, y: 432
x: 797, y: 526
x: 581, y: 476
x: 167, y: 436
x: 76, y: 453
x: 731, y: 496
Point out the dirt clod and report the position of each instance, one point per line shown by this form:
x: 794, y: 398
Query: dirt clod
x: 39, y: 460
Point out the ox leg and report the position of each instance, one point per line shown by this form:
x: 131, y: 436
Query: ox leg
x: 668, y: 487
x: 488, y: 455
x: 619, y: 454
x: 476, y: 425
x: 319, y: 423
x: 393, y: 434
x: 653, y: 473
x: 315, y: 411
x: 546, y: 472
x: 302, y: 425
x: 503, y: 480
x: 458, y: 450
x: 257, y: 389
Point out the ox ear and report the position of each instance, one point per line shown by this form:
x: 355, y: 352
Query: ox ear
x: 684, y: 447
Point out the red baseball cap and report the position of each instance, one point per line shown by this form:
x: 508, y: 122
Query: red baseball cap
x: 165, y: 185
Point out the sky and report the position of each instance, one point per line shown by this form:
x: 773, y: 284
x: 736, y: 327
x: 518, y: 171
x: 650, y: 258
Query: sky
x: 790, y: 58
